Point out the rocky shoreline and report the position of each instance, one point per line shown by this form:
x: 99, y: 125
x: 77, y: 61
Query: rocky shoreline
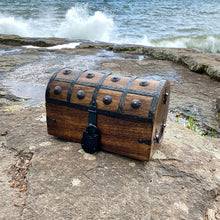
x: 56, y: 178
x: 195, y: 61
x: 20, y: 52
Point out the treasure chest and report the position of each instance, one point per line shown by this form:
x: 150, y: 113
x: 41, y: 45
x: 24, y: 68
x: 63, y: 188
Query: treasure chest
x: 120, y: 114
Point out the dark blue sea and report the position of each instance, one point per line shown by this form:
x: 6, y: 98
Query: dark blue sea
x: 165, y: 23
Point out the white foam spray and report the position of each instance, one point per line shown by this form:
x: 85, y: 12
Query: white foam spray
x: 10, y: 25
x: 78, y: 24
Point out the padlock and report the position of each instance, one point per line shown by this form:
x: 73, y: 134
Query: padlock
x: 90, y: 141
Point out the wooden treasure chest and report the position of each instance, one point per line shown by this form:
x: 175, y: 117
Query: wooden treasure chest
x: 120, y: 114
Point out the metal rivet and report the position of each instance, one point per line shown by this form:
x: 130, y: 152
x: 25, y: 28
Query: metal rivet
x: 165, y: 97
x: 67, y: 72
x: 80, y: 94
x: 107, y: 99
x: 135, y: 103
x: 144, y: 83
x: 90, y: 75
x: 57, y: 90
x: 140, y: 140
x: 115, y: 79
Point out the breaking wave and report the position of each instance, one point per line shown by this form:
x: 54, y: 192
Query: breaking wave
x: 77, y: 24
x: 81, y: 24
x: 205, y: 44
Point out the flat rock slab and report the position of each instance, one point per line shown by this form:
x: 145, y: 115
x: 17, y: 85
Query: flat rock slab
x: 11, y: 199
x: 58, y: 180
x: 182, y: 181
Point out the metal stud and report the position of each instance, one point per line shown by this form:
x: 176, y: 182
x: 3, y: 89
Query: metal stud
x: 144, y: 83
x: 140, y: 140
x: 80, y: 94
x: 90, y: 75
x: 115, y: 79
x: 135, y: 103
x: 67, y: 72
x: 57, y: 90
x: 107, y: 99
x: 165, y: 96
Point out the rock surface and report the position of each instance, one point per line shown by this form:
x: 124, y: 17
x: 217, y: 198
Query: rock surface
x: 182, y: 180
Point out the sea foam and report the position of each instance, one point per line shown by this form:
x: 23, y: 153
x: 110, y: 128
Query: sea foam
x: 205, y: 44
x: 81, y: 24
x: 10, y: 25
x: 78, y: 24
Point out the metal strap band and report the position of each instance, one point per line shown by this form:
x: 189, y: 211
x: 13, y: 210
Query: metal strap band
x: 122, y: 100
x: 73, y: 83
x: 93, y: 105
x: 50, y: 82
x: 125, y: 117
x: 155, y: 99
x: 112, y: 88
x: 99, y: 85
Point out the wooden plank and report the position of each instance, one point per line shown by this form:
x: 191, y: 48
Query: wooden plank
x: 121, y: 137
x: 149, y: 88
x: 69, y: 76
x: 120, y: 84
x: 95, y: 79
x: 142, y: 111
x: 88, y: 95
x: 64, y: 90
x: 113, y: 106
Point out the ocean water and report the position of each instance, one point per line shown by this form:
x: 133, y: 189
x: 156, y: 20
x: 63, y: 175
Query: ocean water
x: 164, y: 23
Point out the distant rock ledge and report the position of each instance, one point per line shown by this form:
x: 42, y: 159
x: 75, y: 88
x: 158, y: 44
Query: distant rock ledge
x: 197, y: 62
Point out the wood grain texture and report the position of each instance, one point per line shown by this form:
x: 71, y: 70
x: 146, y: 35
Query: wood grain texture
x: 117, y: 136
x: 69, y: 76
x: 113, y: 106
x: 142, y: 111
x: 120, y: 84
x: 88, y: 95
x: 70, y: 123
x: 121, y: 137
x: 95, y: 79
x: 63, y: 95
x: 150, y: 88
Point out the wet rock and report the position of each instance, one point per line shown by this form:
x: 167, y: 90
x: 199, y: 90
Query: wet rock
x: 14, y: 40
x: 190, y: 110
x: 4, y: 102
x: 7, y: 97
